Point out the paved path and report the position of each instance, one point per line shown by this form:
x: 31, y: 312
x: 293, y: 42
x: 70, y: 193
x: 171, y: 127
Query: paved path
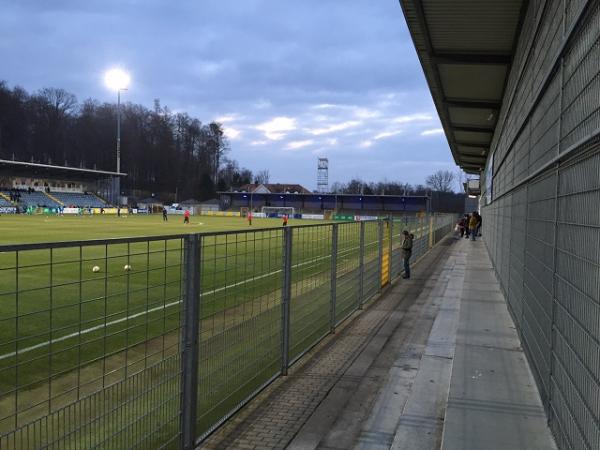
x: 384, y: 380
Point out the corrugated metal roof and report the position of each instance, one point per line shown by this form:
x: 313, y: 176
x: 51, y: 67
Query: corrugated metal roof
x: 466, y: 49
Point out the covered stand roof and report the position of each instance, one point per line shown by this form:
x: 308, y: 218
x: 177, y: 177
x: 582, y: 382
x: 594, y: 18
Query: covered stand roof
x: 466, y: 49
x: 23, y: 168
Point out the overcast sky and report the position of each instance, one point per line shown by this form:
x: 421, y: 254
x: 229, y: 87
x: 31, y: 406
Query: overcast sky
x: 290, y: 80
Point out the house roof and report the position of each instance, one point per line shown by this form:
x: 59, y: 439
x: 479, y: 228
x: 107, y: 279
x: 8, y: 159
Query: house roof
x: 275, y: 188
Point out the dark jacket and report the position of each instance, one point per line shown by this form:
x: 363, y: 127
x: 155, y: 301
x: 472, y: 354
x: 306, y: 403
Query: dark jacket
x: 407, y: 245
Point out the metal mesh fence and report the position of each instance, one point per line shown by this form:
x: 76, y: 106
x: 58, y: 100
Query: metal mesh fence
x: 542, y: 228
x: 154, y: 342
x: 89, y: 332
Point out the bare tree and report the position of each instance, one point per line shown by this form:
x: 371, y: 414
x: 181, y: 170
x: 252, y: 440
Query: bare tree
x: 61, y: 101
x: 442, y: 181
x: 262, y: 177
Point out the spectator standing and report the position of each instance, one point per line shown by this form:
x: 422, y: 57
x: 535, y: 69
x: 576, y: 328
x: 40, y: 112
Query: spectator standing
x: 473, y: 225
x: 461, y: 226
x: 407, y: 245
x: 466, y: 218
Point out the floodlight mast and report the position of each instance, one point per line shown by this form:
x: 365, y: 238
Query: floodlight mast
x: 118, y: 80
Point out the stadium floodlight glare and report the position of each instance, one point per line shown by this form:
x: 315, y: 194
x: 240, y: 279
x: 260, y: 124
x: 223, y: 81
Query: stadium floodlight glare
x: 117, y: 79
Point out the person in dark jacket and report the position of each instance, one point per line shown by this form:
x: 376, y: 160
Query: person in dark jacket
x: 407, y: 245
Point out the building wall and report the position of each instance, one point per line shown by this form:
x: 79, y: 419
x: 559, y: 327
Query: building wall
x: 542, y: 217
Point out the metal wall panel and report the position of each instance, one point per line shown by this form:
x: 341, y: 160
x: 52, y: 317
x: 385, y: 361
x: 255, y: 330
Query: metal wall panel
x: 542, y: 229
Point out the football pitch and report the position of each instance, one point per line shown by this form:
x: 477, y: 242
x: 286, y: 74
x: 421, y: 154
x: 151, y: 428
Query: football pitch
x: 70, y: 333
x: 37, y: 228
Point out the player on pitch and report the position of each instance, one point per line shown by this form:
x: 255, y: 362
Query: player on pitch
x: 249, y: 217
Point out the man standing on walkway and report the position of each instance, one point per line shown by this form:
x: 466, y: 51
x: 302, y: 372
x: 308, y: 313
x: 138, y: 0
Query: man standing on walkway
x: 407, y: 244
x: 473, y: 225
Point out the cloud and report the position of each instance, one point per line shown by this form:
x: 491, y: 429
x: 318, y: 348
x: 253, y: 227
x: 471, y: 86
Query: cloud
x: 227, y: 118
x: 365, y: 113
x: 262, y: 104
x: 418, y: 117
x: 333, y: 128
x: 295, y: 145
x: 387, y: 134
x: 266, y: 76
x: 325, y: 106
x: 432, y: 132
x: 209, y: 68
x: 276, y: 128
x: 231, y: 133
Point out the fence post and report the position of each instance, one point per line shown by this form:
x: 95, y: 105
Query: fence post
x: 332, y: 300
x: 431, y: 220
x: 286, y: 295
x: 190, y: 338
x: 361, y: 266
x: 380, y: 255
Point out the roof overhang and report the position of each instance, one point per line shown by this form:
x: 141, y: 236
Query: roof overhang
x: 28, y: 168
x: 466, y: 49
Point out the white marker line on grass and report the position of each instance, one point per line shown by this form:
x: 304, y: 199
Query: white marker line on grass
x: 151, y: 310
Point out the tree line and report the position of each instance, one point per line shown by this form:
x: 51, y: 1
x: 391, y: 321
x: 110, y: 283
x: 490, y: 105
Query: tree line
x: 161, y: 151
x: 441, y: 181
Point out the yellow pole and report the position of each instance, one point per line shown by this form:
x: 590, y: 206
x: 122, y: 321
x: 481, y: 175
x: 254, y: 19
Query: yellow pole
x: 431, y: 222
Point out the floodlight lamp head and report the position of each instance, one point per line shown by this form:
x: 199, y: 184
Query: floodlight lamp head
x: 117, y: 79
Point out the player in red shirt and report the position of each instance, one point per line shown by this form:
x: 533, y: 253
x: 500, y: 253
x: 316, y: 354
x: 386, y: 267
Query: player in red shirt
x: 249, y: 217
x: 285, y: 220
x: 186, y: 216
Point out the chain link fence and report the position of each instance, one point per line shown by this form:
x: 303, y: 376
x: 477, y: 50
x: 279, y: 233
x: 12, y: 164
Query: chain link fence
x: 154, y: 342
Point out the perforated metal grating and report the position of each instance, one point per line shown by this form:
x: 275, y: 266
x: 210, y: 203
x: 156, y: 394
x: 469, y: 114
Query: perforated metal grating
x: 542, y: 227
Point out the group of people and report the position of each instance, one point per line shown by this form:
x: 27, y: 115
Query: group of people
x: 470, y: 225
x: 186, y: 216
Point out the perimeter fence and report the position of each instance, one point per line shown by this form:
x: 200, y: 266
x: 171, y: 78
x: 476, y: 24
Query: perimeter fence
x: 154, y: 342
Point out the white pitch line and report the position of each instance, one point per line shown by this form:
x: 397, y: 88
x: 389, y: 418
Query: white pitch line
x: 151, y: 310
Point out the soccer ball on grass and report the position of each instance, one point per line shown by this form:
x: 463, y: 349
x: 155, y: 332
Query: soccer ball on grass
x: 95, y: 269
x: 126, y: 267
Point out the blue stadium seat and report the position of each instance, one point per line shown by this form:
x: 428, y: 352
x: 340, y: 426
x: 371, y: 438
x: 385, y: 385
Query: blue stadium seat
x: 80, y: 200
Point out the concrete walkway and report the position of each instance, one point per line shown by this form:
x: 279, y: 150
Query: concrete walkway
x: 434, y: 363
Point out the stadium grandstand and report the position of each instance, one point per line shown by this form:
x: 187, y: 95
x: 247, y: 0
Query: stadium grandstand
x: 315, y: 203
x: 25, y: 185
x: 446, y: 202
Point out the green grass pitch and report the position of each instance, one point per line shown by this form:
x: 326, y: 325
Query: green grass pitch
x: 67, y: 332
